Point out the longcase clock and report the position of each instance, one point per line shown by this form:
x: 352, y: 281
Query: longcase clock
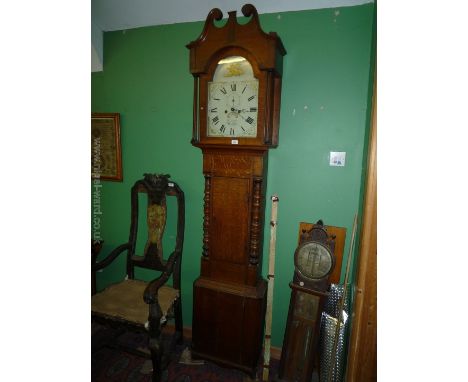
x: 237, y: 72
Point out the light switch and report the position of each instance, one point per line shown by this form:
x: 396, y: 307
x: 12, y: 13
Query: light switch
x: 337, y: 158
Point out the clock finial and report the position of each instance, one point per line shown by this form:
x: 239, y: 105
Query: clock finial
x: 249, y: 10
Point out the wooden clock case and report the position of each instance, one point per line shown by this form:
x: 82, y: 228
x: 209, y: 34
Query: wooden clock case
x: 230, y: 294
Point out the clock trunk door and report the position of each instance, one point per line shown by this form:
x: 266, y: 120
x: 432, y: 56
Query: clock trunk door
x: 229, y: 214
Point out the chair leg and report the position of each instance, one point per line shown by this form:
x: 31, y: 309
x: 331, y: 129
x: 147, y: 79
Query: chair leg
x: 155, y: 344
x: 178, y: 321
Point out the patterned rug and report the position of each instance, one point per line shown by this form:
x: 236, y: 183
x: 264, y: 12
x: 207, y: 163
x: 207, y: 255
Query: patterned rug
x: 113, y: 365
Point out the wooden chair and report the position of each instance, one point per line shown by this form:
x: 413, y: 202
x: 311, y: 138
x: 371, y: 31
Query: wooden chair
x: 140, y: 305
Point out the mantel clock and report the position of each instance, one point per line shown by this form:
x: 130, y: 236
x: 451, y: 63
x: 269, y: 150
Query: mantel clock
x: 314, y: 261
x: 237, y: 72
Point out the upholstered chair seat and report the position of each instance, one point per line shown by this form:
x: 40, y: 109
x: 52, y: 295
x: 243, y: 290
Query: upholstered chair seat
x: 124, y: 301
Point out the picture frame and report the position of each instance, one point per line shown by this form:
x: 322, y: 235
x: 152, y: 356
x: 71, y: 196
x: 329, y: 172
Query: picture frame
x: 106, y: 151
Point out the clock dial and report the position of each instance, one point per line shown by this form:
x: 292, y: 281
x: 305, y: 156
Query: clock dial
x: 313, y: 260
x: 232, y: 109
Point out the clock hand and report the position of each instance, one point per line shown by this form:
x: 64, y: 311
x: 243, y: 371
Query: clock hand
x: 238, y: 110
x: 244, y: 111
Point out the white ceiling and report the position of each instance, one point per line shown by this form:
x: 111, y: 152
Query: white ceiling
x: 110, y: 15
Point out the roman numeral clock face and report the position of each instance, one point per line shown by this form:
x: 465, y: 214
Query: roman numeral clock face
x: 233, y: 100
x: 232, y: 109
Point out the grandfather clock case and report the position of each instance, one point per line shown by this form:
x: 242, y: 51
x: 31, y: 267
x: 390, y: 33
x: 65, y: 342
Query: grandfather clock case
x: 237, y: 72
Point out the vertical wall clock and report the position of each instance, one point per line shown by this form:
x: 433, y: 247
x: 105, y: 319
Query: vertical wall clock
x: 237, y: 70
x: 314, y: 261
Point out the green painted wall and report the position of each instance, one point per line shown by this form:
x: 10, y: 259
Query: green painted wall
x: 324, y: 108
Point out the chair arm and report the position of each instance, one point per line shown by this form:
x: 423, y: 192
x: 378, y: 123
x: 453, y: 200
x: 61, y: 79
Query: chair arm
x: 151, y: 292
x: 110, y: 257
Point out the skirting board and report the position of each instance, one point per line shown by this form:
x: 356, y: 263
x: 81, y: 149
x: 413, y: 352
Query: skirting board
x: 275, y: 352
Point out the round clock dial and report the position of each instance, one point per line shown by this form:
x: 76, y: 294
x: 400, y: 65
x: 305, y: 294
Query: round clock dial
x: 313, y: 260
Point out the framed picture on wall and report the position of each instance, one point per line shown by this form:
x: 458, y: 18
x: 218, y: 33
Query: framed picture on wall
x: 106, y: 153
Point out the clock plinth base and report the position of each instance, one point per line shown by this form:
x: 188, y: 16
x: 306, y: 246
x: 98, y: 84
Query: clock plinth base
x: 228, y: 323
